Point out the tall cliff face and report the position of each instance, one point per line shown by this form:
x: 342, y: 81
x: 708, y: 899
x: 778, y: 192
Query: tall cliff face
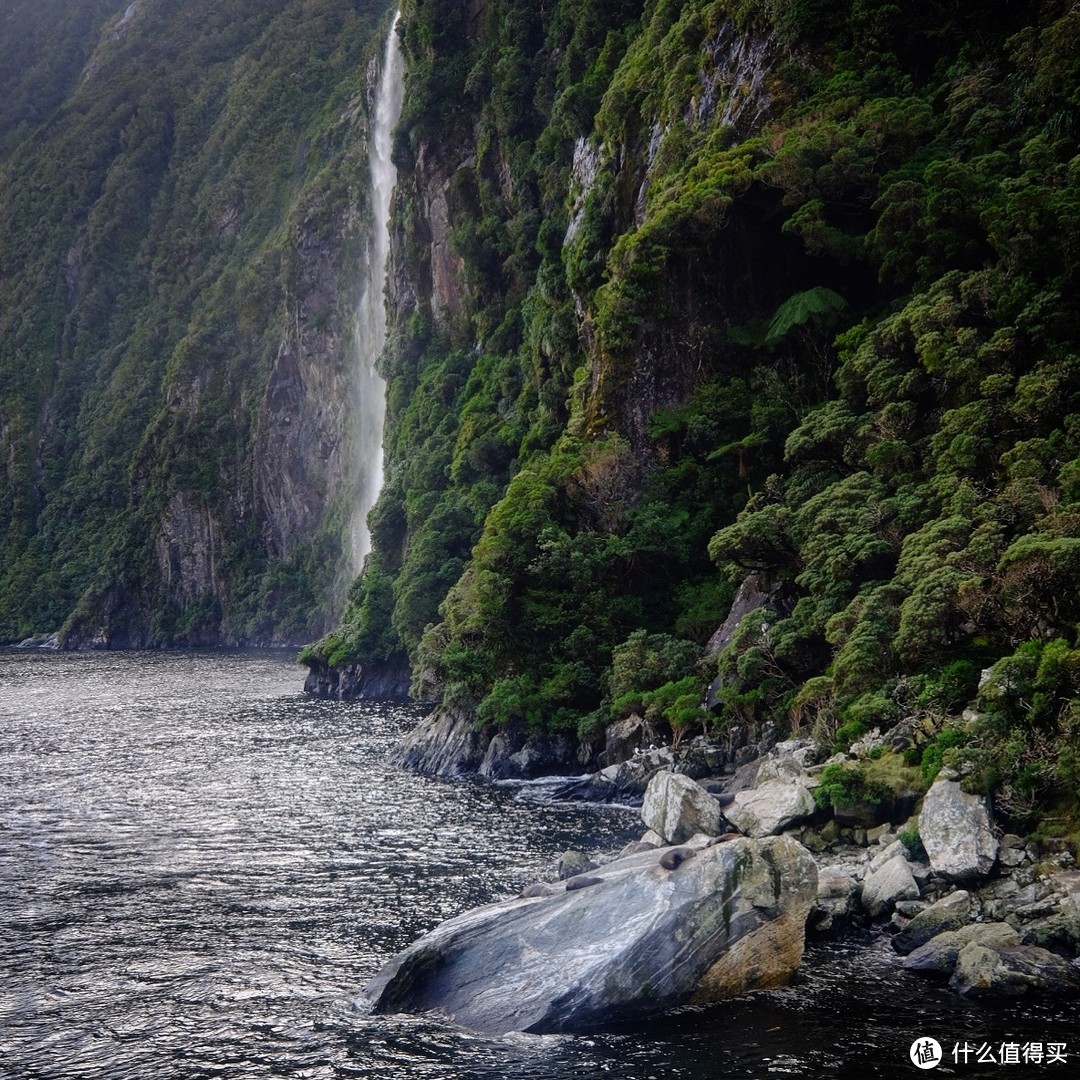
x: 183, y: 232
x: 683, y: 292
x: 522, y: 163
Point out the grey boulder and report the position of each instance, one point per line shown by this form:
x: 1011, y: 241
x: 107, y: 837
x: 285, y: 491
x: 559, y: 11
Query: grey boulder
x: 629, y: 939
x: 955, y: 830
x: 938, y: 955
x: 677, y: 808
x: 949, y: 913
x: 1010, y: 971
x: 770, y: 807
x: 886, y: 884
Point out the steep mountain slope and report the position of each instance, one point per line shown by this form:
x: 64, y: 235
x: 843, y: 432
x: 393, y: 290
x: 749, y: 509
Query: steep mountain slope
x: 183, y: 200
x: 689, y: 290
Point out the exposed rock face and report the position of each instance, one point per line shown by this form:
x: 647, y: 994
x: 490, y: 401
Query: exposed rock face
x: 677, y: 808
x: 638, y: 940
x: 356, y: 681
x: 735, y: 84
x: 187, y: 549
x: 445, y: 743
x: 449, y: 743
x: 626, y: 737
x: 755, y: 592
x: 518, y: 753
x: 771, y: 807
x: 955, y: 830
x: 445, y: 266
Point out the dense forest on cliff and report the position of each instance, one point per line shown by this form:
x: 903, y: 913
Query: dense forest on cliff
x: 740, y: 288
x: 688, y: 301
x: 183, y: 190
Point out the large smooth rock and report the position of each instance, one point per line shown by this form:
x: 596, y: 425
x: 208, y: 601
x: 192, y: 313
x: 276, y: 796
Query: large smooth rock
x: 638, y: 940
x: 677, y: 807
x: 949, y: 913
x: 770, y: 807
x: 955, y: 830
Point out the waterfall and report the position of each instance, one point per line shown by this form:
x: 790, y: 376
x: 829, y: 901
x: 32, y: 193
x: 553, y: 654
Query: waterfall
x: 370, y: 326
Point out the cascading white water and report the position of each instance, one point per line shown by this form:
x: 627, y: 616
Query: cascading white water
x: 370, y: 327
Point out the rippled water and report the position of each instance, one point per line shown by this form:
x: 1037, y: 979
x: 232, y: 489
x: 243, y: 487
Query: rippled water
x: 200, y: 868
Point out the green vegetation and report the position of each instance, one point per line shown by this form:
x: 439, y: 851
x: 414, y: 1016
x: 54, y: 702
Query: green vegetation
x: 724, y: 287
x: 167, y: 176
x: 912, y: 841
x: 812, y: 315
x: 842, y: 785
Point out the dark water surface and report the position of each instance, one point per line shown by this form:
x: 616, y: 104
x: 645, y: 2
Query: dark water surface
x: 200, y: 868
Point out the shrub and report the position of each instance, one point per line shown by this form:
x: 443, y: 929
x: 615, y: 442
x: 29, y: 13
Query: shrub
x: 844, y: 784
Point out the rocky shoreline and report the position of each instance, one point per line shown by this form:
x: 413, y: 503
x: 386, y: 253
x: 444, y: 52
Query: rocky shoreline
x: 993, y: 915
x: 996, y: 916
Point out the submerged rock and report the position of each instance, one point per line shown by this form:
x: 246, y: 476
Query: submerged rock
x: 638, y: 940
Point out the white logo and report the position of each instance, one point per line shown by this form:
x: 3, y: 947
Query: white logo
x: 925, y: 1053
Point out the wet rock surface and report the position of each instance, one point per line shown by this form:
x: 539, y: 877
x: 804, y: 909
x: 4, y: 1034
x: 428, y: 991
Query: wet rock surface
x: 921, y: 872
x: 638, y: 939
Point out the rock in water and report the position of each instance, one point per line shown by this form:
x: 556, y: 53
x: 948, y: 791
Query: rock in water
x: 949, y: 913
x: 982, y: 971
x: 445, y: 743
x: 638, y: 941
